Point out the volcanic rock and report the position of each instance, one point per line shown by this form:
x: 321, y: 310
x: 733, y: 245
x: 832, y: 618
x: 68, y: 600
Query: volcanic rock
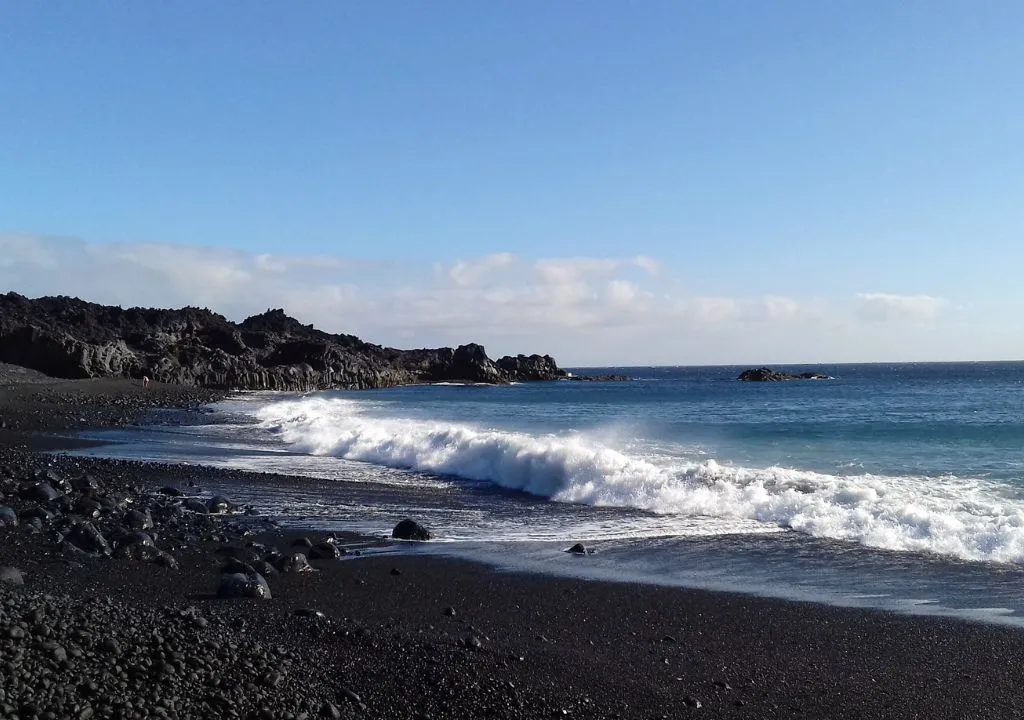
x: 409, y: 529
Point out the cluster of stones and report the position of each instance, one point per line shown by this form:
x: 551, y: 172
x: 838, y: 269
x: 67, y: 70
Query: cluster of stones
x: 98, y: 658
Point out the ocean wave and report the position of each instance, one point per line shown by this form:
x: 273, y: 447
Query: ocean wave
x: 964, y: 518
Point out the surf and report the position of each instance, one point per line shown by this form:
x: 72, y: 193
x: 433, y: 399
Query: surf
x: 967, y: 518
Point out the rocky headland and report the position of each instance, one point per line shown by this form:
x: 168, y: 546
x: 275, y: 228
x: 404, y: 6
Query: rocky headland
x: 69, y: 338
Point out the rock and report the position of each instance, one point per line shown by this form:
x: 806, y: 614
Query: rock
x: 234, y: 565
x: 449, y: 611
x: 264, y: 568
x: 295, y: 562
x: 138, y: 519
x: 87, y: 538
x: 170, y: 491
x: 70, y: 338
x: 219, y: 505
x: 40, y: 492
x: 240, y: 585
x: 764, y: 374
x: 12, y: 576
x: 85, y: 484
x: 196, y: 506
x: 8, y: 518
x: 303, y: 542
x: 578, y: 549
x: 128, y: 539
x: 87, y: 507
x: 325, y: 551
x: 330, y: 711
x: 309, y: 613
x: 409, y: 529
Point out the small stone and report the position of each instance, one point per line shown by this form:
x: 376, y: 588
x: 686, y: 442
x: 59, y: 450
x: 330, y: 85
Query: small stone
x: 693, y: 702
x: 396, y: 571
x: 578, y: 549
x: 449, y: 611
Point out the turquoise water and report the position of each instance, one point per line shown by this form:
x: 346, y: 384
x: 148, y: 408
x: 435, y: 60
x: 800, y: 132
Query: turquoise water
x: 893, y: 485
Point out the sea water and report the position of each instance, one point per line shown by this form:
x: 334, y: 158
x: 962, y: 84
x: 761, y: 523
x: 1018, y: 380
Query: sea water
x: 897, y: 486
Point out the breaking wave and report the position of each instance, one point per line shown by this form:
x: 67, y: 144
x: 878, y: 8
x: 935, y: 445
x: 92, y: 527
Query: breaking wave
x: 964, y: 518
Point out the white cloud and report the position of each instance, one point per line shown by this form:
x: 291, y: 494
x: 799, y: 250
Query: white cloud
x: 468, y: 272
x: 877, y: 307
x: 653, y: 267
x: 579, y: 309
x: 565, y: 271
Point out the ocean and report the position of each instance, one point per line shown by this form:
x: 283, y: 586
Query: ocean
x: 895, y: 486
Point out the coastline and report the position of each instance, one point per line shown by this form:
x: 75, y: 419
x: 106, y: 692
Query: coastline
x: 447, y: 638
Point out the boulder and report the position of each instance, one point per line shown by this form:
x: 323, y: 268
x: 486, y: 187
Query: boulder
x: 409, y: 529
x: 40, y: 491
x: 578, y: 549
x: 138, y: 519
x: 8, y: 518
x: 219, y: 504
x: 87, y: 538
x: 243, y: 585
x: 295, y: 562
x: 325, y: 551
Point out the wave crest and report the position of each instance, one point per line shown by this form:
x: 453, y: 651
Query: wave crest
x: 964, y: 518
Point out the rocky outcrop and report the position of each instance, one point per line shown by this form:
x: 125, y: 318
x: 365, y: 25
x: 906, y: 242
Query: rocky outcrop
x: 768, y: 375
x: 70, y: 338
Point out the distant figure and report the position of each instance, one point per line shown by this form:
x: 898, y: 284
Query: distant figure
x: 145, y: 381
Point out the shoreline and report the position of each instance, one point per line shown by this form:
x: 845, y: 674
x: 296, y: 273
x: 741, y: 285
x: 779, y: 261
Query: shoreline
x: 416, y: 635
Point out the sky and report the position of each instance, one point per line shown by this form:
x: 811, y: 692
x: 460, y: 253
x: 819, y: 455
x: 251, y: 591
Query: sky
x: 666, y: 182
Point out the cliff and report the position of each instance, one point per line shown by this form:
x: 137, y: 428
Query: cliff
x: 70, y: 338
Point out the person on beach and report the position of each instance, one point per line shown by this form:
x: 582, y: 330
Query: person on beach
x: 145, y: 381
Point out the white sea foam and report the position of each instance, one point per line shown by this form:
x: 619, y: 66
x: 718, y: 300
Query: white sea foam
x: 966, y: 518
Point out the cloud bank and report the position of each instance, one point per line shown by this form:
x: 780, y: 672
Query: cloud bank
x: 585, y: 310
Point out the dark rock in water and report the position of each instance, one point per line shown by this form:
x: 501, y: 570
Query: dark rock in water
x: 219, y: 505
x: 409, y: 529
x: 11, y: 576
x: 240, y: 585
x: 87, y: 538
x: 303, y: 542
x: 296, y: 562
x: 170, y: 491
x: 8, y: 518
x: 578, y: 549
x: 40, y: 492
x: 325, y: 551
x: 138, y: 520
x: 768, y: 375
x: 196, y: 506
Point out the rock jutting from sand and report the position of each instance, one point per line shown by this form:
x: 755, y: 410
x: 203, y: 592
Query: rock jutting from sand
x: 409, y: 529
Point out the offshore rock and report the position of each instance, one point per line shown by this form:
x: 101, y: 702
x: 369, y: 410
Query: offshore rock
x: 70, y: 338
x: 768, y: 375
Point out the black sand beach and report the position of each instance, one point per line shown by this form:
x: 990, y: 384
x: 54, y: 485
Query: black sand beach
x: 141, y: 633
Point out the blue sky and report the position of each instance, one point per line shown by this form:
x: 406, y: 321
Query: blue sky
x: 801, y: 181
